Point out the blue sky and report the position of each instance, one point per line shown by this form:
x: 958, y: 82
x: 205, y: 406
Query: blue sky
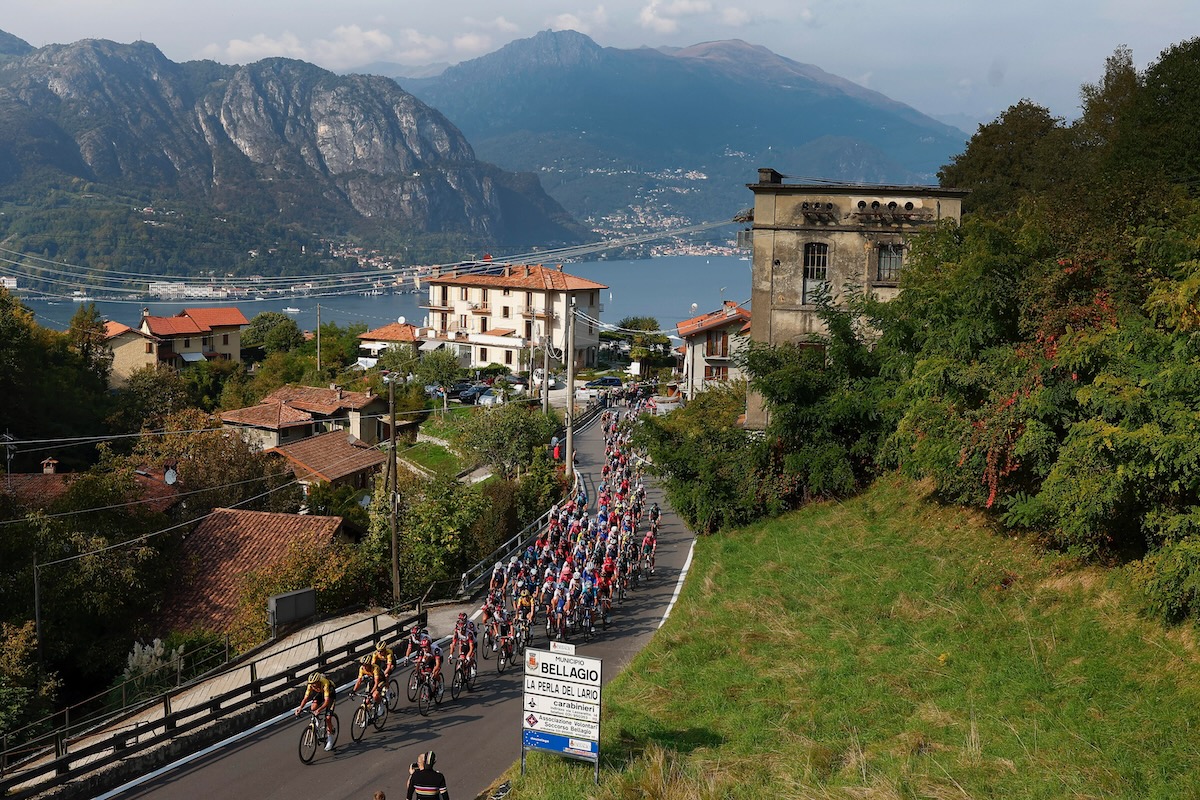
x: 968, y: 58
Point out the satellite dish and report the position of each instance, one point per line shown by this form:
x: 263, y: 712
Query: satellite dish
x: 170, y: 476
x: 694, y: 307
x: 400, y: 319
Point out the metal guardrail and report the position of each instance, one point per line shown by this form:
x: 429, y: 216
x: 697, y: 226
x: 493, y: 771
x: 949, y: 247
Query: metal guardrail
x: 116, y: 745
x: 473, y: 577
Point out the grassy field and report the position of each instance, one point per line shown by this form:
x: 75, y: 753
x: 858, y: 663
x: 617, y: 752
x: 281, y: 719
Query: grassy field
x: 435, y: 458
x: 887, y: 647
x: 446, y: 426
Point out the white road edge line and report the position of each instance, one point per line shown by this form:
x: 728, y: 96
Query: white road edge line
x: 679, y: 583
x: 212, y: 748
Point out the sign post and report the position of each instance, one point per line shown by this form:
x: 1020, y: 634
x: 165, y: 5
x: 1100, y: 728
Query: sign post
x: 561, y: 712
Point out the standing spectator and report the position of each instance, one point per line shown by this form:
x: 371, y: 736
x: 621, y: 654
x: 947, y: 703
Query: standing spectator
x: 425, y: 782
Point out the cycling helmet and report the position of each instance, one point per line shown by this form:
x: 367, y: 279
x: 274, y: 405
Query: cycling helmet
x: 513, y: 560
x: 416, y: 629
x: 381, y: 644
x: 462, y: 615
x: 365, y: 661
x: 426, y: 643
x: 315, y: 677
x: 524, y: 593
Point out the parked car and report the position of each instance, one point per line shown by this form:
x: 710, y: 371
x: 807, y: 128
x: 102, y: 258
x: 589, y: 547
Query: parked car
x: 491, y: 398
x: 606, y: 382
x: 457, y: 388
x: 512, y: 384
x: 471, y: 396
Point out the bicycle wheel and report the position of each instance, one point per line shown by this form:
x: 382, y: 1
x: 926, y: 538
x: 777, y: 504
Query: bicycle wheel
x: 393, y: 694
x: 456, y: 685
x: 308, y: 743
x: 487, y: 643
x: 358, y: 725
x: 414, y: 681
x: 381, y: 714
x: 424, y: 698
x: 472, y: 676
x: 500, y: 659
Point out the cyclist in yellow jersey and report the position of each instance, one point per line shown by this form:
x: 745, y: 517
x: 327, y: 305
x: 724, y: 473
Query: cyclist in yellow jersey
x: 525, y: 606
x: 385, y: 658
x: 322, y: 690
x: 369, y: 670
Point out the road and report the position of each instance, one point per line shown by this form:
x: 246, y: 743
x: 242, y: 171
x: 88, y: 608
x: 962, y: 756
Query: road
x: 476, y: 737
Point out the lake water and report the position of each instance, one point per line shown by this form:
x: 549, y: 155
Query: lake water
x: 665, y: 288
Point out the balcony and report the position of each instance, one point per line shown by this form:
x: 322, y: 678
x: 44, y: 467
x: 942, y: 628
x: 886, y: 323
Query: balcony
x: 442, y: 304
x: 481, y: 308
x: 534, y: 311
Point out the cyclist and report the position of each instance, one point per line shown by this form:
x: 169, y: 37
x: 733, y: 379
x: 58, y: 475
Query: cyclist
x: 526, y: 609
x: 415, y: 637
x: 649, y: 545
x: 322, y: 690
x: 369, y: 670
x: 654, y: 513
x: 431, y: 664
x: 384, y: 658
x: 464, y: 631
x: 587, y: 604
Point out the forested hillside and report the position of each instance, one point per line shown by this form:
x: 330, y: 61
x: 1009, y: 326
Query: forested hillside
x: 1041, y: 364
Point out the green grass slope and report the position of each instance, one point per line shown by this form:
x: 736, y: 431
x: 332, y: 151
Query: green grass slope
x: 887, y: 647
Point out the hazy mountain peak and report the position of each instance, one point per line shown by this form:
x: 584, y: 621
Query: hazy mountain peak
x: 13, y: 46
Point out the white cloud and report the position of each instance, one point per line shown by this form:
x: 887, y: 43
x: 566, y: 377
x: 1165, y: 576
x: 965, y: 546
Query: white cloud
x: 259, y: 46
x: 351, y: 46
x: 497, y: 25
x: 472, y: 44
x: 415, y: 47
x: 735, y: 17
x: 588, y: 22
x: 663, y: 17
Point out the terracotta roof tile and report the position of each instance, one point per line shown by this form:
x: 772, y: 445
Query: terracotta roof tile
x: 39, y: 490
x: 535, y: 277
x: 329, y: 456
x: 220, y: 317
x: 226, y: 546
x: 395, y: 332
x: 112, y: 329
x: 728, y: 313
x: 320, y: 400
x: 500, y: 331
x: 195, y: 320
x: 271, y: 414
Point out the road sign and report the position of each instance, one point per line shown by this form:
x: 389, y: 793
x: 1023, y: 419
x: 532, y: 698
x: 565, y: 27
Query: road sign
x: 571, y: 709
x: 561, y: 712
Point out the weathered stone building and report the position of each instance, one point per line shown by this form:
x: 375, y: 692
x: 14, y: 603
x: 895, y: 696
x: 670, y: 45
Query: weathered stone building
x: 814, y: 237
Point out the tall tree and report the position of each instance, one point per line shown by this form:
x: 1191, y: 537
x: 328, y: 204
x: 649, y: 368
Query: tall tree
x: 87, y: 337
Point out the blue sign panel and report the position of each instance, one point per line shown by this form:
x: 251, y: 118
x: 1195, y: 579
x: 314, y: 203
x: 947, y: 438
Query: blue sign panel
x: 562, y: 745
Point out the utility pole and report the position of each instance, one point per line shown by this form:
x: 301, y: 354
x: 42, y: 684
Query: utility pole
x: 37, y: 609
x: 570, y: 357
x: 392, y: 481
x: 318, y: 337
x: 546, y: 369
x: 9, y: 449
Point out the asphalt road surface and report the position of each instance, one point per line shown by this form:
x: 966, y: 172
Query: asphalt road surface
x: 476, y: 737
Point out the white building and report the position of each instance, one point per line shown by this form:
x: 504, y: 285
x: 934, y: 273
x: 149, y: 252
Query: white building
x: 710, y: 343
x: 491, y: 317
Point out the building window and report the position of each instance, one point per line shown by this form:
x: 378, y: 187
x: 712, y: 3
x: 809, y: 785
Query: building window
x: 149, y: 347
x: 462, y: 293
x: 462, y: 321
x: 506, y: 293
x: 483, y: 297
x: 483, y: 359
x: 716, y: 344
x: 529, y: 299
x: 187, y: 343
x: 504, y: 309
x: 891, y: 258
x: 508, y: 356
x: 816, y: 271
x: 528, y: 329
x: 225, y: 340
x: 716, y: 373
x: 483, y: 324
x: 206, y: 342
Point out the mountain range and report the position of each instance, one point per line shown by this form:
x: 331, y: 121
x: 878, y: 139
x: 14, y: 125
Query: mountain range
x: 506, y: 151
x: 682, y: 130
x: 279, y: 141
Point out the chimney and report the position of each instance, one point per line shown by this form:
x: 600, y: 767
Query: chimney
x: 768, y: 175
x: 560, y: 267
x: 526, y: 270
x: 145, y: 312
x: 49, y: 466
x: 508, y: 270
